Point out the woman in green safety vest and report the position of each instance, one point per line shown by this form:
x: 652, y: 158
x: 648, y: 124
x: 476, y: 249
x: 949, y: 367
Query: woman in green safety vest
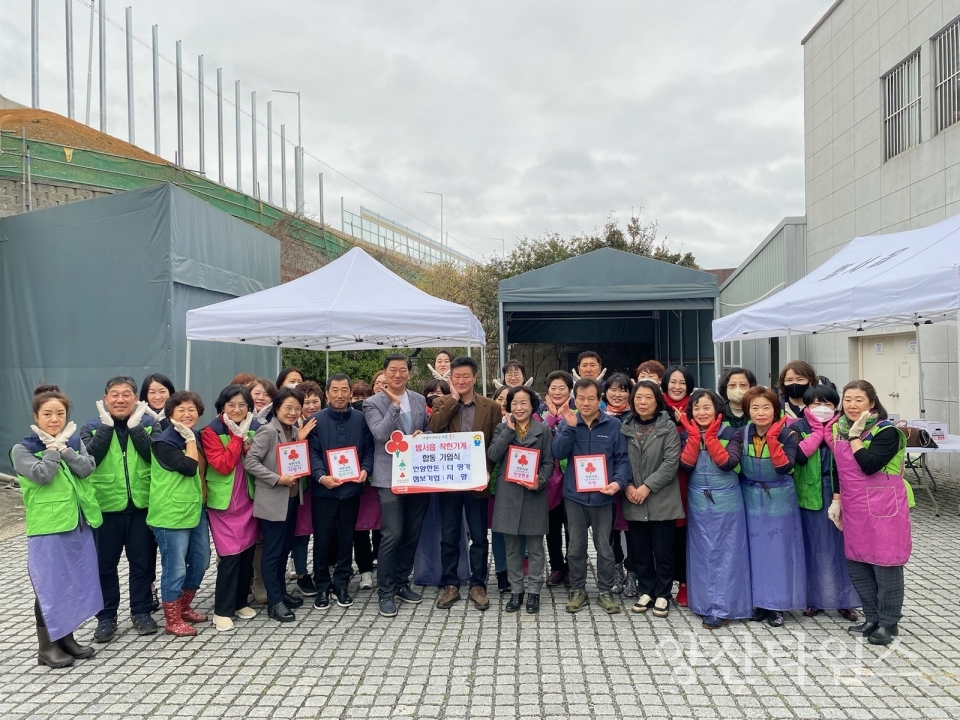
x: 176, y: 513
x: 60, y: 508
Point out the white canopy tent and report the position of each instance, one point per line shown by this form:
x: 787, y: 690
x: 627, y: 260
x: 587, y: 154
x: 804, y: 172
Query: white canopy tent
x: 354, y: 303
x: 905, y: 278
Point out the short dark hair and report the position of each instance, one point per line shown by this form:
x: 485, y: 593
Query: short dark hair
x: 268, y: 387
x: 179, y: 398
x: 361, y: 389
x: 687, y: 378
x: 618, y: 380
x: 464, y: 361
x: 650, y: 366
x: 285, y: 393
x: 309, y: 387
x: 729, y: 373
x: 821, y: 393
x: 120, y: 380
x: 657, y: 393
x: 759, y: 391
x: 560, y: 375
x: 715, y: 399
x: 585, y: 383
x: 393, y: 358
x: 498, y: 391
x: 339, y: 377
x: 443, y: 351
x: 514, y: 364
x: 434, y: 384
x: 155, y: 378
x: 230, y: 392
x: 288, y: 371
x: 514, y: 391
x: 801, y: 368
x: 43, y: 394
x: 588, y: 354
x: 871, y: 393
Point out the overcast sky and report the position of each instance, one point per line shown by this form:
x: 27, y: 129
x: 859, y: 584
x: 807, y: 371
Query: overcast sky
x: 528, y: 116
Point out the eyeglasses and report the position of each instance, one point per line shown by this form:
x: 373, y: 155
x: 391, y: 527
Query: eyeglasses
x: 521, y: 404
x: 236, y: 406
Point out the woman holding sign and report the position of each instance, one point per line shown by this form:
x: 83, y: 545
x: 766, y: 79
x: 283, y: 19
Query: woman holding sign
x: 521, y: 446
x: 277, y: 461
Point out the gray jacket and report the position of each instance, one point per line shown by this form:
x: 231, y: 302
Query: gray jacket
x: 383, y: 418
x: 518, y: 510
x: 655, y: 465
x: 269, y: 499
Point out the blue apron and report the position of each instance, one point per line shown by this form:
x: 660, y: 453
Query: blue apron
x: 718, y: 556
x: 778, y: 574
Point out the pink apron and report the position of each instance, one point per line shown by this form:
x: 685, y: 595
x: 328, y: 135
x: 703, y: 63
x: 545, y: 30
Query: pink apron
x: 369, y: 516
x: 876, y: 519
x: 304, y: 524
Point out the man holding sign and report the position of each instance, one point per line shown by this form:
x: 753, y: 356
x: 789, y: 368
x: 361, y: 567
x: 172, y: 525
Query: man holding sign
x: 341, y: 457
x: 598, y: 468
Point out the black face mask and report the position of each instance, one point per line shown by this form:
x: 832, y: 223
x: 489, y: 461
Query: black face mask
x: 794, y: 391
x: 358, y: 405
x: 430, y: 399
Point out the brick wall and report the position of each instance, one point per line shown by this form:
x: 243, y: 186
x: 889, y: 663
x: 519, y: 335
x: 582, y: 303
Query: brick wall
x: 44, y: 195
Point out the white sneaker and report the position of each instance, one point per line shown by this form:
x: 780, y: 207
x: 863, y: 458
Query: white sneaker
x: 661, y: 607
x: 223, y: 624
x: 246, y: 613
x: 642, y: 604
x: 366, y: 581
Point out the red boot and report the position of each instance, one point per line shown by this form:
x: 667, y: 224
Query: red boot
x: 189, y: 615
x: 175, y: 624
x: 682, y: 595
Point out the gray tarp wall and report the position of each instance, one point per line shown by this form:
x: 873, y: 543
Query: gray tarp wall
x: 613, y: 297
x: 101, y: 287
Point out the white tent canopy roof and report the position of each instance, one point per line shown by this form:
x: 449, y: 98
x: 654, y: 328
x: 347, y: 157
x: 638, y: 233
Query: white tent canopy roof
x: 354, y: 303
x: 875, y: 281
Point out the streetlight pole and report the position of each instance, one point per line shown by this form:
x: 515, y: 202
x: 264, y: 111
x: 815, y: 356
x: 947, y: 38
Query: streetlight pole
x: 503, y: 243
x: 431, y: 192
x: 299, y: 173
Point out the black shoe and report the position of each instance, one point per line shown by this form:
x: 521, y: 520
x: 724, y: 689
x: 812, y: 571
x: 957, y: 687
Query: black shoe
x: 759, y: 615
x: 322, y: 601
x: 145, y: 624
x: 883, y: 635
x: 388, y: 607
x: 533, y: 603
x: 775, y: 618
x: 865, y: 628
x: 343, y: 598
x: 281, y: 612
x: 307, y: 588
x: 408, y: 595
x: 155, y: 605
x: 292, y: 602
x: 503, y: 584
x: 106, y: 630
x: 516, y: 600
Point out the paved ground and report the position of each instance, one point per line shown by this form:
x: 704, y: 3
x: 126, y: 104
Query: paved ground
x: 462, y: 663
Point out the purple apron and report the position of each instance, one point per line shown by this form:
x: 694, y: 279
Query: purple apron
x: 876, y: 519
x: 369, y: 516
x: 718, y: 555
x: 778, y: 575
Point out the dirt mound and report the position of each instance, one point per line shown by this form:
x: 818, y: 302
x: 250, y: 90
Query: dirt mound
x: 49, y: 127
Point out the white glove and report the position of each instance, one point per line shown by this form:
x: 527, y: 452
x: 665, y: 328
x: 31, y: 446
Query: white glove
x: 185, y: 432
x: 105, y: 418
x: 232, y: 427
x: 245, y: 425
x: 137, y: 415
x: 153, y: 413
x: 833, y: 512
x: 856, y: 430
x: 46, y: 438
x: 61, y: 439
x: 264, y: 411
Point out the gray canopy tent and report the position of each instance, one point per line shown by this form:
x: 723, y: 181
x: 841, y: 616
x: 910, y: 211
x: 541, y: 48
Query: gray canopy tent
x: 611, y: 296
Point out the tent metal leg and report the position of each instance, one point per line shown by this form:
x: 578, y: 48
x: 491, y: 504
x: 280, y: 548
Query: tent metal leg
x: 503, y: 338
x: 279, y: 360
x: 327, y: 374
x: 923, y: 409
x: 789, y: 351
x: 186, y: 380
x: 483, y: 368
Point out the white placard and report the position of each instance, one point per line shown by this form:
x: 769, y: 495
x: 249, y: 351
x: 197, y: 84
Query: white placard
x: 438, y: 463
x: 293, y: 458
x: 343, y: 464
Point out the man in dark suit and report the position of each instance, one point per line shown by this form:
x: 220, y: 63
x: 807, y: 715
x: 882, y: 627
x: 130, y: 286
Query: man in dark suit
x: 463, y: 411
x: 395, y: 408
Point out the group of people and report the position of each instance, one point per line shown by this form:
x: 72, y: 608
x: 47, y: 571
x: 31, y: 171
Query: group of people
x: 755, y: 501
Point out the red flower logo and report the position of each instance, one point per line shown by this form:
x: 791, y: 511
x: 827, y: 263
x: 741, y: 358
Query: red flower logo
x: 293, y: 454
x: 343, y: 460
x: 590, y: 467
x: 522, y: 460
x: 397, y: 444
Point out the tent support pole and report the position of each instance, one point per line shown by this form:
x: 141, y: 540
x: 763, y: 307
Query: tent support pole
x: 327, y: 375
x: 279, y: 360
x: 503, y: 339
x: 186, y: 381
x: 483, y: 368
x: 923, y: 409
x: 789, y: 352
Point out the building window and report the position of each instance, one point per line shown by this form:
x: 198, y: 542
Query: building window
x: 901, y: 107
x: 946, y: 90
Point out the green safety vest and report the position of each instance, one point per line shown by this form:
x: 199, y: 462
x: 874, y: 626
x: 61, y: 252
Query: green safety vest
x: 895, y: 466
x: 175, y: 500
x: 120, y: 476
x: 808, y: 480
x: 56, y: 507
x: 220, y: 487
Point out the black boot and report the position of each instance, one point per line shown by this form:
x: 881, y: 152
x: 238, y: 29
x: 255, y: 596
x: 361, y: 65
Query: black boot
x: 533, y: 603
x: 883, y: 635
x: 516, y: 600
x: 50, y: 653
x: 70, y: 646
x: 503, y: 584
x: 865, y: 628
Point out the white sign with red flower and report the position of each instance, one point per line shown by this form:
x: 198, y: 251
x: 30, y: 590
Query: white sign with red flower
x: 522, y: 466
x: 343, y: 464
x: 590, y: 472
x: 438, y: 463
x: 293, y: 458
